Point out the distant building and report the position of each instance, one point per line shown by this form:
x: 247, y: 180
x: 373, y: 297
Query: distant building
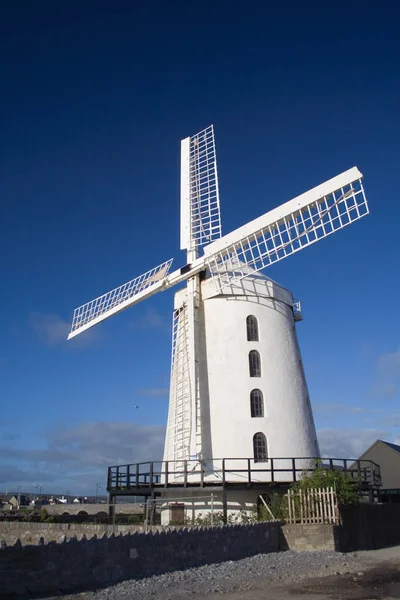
x: 6, y: 505
x: 387, y: 456
x: 13, y: 502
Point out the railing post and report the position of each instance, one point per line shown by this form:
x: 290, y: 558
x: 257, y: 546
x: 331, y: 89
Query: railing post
x: 272, y: 471
x: 249, y: 470
x: 151, y: 474
x: 331, y: 464
x: 137, y: 475
x: 146, y: 514
x: 345, y: 464
x: 128, y: 476
x: 294, y: 469
x: 223, y: 471
x: 109, y: 480
x: 166, y: 474
x: 118, y: 482
x: 185, y: 473
x: 377, y: 475
x: 224, y: 506
x: 201, y: 474
x: 111, y: 509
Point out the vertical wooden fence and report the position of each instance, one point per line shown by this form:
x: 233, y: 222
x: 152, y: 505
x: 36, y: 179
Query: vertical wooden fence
x: 316, y: 505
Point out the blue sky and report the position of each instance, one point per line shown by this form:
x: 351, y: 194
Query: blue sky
x: 94, y: 101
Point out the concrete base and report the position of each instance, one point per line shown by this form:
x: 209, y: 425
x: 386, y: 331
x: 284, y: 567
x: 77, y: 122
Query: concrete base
x: 308, y: 537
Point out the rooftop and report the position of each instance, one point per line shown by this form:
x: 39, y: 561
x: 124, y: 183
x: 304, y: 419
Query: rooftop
x: 393, y: 446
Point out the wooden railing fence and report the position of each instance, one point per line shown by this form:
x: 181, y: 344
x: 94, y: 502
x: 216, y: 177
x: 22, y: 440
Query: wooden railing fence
x: 314, y: 505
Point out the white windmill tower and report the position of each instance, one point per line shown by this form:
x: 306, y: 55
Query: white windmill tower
x: 238, y: 390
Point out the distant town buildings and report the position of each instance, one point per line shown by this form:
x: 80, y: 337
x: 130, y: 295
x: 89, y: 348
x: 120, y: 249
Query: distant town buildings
x: 14, y: 502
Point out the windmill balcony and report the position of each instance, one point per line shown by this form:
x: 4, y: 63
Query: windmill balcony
x: 298, y: 315
x: 235, y: 473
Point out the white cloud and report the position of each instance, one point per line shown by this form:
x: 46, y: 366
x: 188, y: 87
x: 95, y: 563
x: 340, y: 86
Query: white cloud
x: 53, y: 331
x: 327, y: 407
x: 151, y: 319
x: 387, y: 419
x: 384, y: 390
x: 78, y: 457
x: 348, y: 443
x: 386, y: 382
x: 103, y: 443
x: 10, y: 476
x: 50, y: 328
x: 389, y: 365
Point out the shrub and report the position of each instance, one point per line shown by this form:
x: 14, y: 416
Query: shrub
x: 345, y: 485
x: 135, y: 520
x: 44, y: 517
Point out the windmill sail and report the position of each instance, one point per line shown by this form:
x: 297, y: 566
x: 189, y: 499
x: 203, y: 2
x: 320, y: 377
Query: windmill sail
x: 116, y: 300
x: 289, y: 228
x: 258, y: 244
x: 200, y: 208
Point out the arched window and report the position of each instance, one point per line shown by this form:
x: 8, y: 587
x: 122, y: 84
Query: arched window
x: 252, y: 329
x: 257, y: 403
x: 254, y: 363
x: 260, y: 448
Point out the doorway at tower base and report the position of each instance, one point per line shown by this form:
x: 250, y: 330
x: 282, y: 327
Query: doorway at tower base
x: 205, y: 508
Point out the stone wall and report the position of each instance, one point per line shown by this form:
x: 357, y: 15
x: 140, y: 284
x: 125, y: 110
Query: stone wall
x: 73, y: 565
x: 35, y: 533
x: 94, y: 509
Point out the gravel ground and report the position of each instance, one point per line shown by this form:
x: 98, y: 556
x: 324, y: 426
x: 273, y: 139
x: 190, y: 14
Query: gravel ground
x: 248, y: 573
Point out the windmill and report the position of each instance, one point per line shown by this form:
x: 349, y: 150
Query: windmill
x: 237, y: 386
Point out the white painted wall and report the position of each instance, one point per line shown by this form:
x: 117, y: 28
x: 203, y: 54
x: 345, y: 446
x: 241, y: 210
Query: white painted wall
x: 199, y: 503
x: 288, y: 423
x: 227, y: 425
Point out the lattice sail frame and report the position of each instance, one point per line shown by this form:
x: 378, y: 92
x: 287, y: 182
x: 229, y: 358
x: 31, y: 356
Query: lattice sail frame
x: 97, y: 307
x: 257, y: 245
x: 180, y: 407
x: 200, y: 206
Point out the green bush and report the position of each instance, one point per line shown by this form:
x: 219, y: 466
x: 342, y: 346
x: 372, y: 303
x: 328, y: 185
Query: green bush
x: 206, y: 520
x: 135, y: 520
x: 345, y: 485
x: 44, y: 517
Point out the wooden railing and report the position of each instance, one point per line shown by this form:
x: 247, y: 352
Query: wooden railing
x: 231, y: 471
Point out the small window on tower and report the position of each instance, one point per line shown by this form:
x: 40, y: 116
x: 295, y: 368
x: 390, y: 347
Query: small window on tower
x: 257, y: 403
x: 260, y: 447
x: 252, y: 329
x: 254, y: 363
